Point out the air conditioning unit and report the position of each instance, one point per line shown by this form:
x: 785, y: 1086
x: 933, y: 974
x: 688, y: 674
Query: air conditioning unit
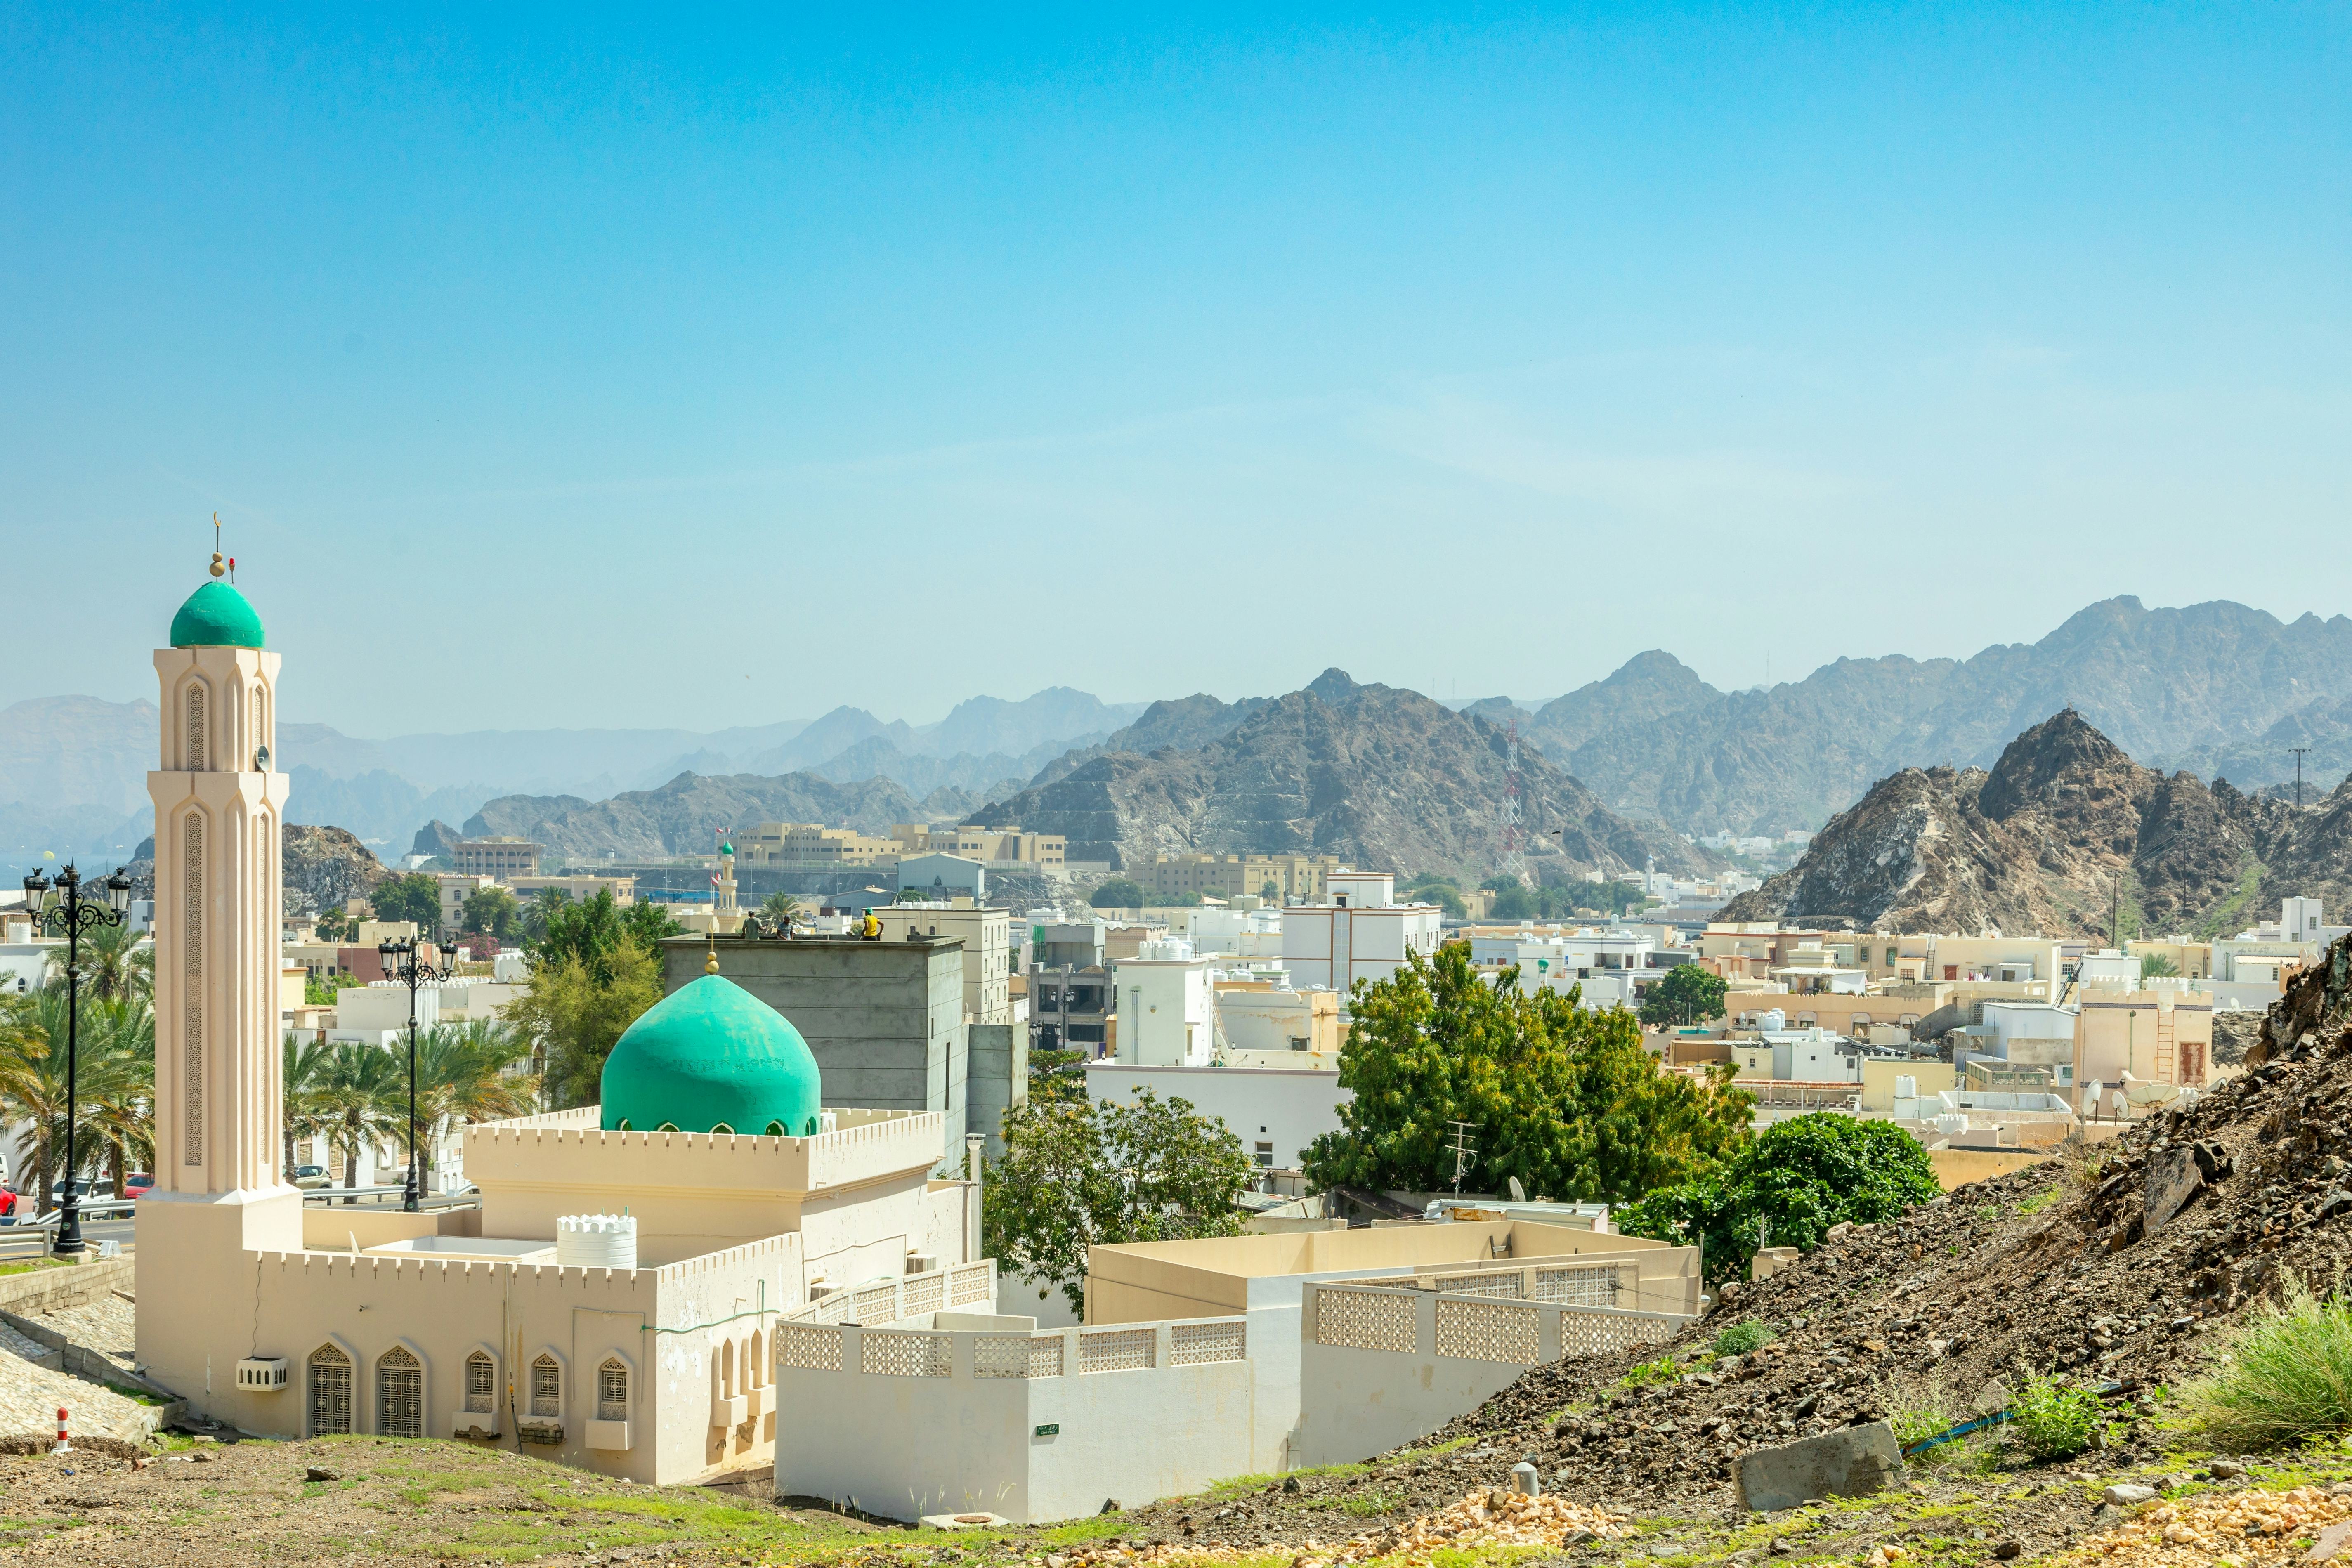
x: 261, y: 1374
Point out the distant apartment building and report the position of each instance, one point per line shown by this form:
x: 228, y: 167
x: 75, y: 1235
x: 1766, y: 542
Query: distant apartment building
x: 987, y: 937
x: 990, y: 846
x: 1360, y: 932
x: 811, y: 846
x: 1301, y: 876
x: 501, y: 857
x: 579, y: 889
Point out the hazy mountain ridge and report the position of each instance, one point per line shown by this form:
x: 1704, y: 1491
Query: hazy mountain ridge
x: 1380, y: 777
x: 685, y: 816
x: 2216, y: 683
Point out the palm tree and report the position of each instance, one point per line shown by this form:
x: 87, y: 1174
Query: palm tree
x: 110, y: 958
x: 116, y: 1081
x: 466, y: 1072
x: 303, y: 1073
x: 778, y: 909
x: 362, y: 1096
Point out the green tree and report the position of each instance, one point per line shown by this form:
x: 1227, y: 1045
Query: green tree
x: 778, y: 909
x: 109, y: 954
x: 574, y: 1011
x: 539, y: 912
x: 1172, y: 900
x: 1562, y: 1097
x: 1786, y: 1188
x: 1057, y: 1077
x: 2152, y: 964
x: 491, y: 911
x: 1690, y: 994
x: 408, y: 896
x: 593, y: 930
x: 361, y: 1099
x: 1118, y: 893
x: 1270, y: 892
x: 320, y: 990
x: 332, y: 925
x: 115, y: 1081
x: 1076, y: 1176
x: 467, y: 1072
x: 302, y: 1069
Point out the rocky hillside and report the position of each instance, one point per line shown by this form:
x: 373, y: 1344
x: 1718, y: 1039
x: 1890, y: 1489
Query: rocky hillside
x: 2062, y: 824
x: 2215, y: 686
x: 1380, y: 777
x: 324, y: 866
x: 683, y: 817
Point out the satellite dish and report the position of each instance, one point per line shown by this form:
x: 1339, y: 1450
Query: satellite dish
x: 1519, y: 1192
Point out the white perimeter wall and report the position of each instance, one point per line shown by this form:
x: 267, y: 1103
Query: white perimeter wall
x: 1288, y: 1108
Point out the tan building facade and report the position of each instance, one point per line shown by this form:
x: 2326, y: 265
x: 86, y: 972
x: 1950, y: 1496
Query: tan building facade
x: 501, y: 857
x: 1305, y: 876
x: 796, y: 846
x: 988, y: 846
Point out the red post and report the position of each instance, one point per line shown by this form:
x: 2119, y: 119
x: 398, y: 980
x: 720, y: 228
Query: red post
x: 63, y: 1447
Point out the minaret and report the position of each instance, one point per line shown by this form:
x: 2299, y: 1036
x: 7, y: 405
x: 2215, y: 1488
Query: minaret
x: 723, y: 907
x: 219, y: 801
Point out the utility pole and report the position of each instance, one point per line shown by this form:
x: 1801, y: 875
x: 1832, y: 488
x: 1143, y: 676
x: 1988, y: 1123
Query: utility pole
x: 1465, y: 1155
x: 2299, y: 751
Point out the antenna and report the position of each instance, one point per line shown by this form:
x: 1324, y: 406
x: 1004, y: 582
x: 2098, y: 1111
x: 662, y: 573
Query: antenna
x: 2299, y: 751
x: 1510, y: 858
x: 1466, y: 1154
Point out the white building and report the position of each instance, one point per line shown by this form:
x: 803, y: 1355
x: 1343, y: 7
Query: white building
x: 987, y: 936
x: 1275, y: 1111
x: 1241, y: 933
x: 1165, y: 1009
x: 1363, y: 933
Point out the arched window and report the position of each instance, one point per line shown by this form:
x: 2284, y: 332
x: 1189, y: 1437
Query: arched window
x: 775, y: 1130
x: 546, y: 1387
x: 482, y: 1383
x: 666, y: 1127
x: 399, y: 1394
x: 727, y: 1370
x: 755, y: 1362
x: 330, y: 1392
x: 612, y: 1391
x: 720, y: 1129
x: 624, y: 1125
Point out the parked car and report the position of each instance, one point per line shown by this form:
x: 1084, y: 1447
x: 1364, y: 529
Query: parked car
x: 88, y: 1191
x: 309, y: 1177
x: 138, y: 1185
x: 7, y: 1206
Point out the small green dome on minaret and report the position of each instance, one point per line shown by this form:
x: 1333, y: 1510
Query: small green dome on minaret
x: 216, y: 616
x: 710, y: 1057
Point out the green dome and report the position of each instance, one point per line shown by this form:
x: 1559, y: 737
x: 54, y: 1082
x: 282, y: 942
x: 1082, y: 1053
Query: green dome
x: 216, y: 616
x: 710, y: 1056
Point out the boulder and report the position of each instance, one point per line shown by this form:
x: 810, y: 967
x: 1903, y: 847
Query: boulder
x: 2173, y: 1178
x: 1852, y: 1461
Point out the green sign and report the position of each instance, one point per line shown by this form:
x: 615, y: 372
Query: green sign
x: 1051, y: 1429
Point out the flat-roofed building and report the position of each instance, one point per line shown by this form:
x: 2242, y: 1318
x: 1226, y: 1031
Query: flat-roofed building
x: 500, y: 855
x: 809, y: 845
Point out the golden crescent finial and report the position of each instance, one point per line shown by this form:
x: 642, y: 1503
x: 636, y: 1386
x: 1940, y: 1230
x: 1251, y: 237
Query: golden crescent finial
x: 711, y: 964
x: 219, y: 570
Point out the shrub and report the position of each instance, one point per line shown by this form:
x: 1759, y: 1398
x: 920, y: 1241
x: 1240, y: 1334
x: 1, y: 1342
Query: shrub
x: 2287, y: 1377
x: 1919, y: 1411
x: 1662, y: 1370
x: 1742, y: 1338
x: 2054, y: 1420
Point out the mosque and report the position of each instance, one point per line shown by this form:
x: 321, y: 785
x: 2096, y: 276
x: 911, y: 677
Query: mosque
x: 613, y: 1301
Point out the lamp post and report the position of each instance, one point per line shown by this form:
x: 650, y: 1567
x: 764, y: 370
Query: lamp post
x: 59, y: 906
x: 401, y: 964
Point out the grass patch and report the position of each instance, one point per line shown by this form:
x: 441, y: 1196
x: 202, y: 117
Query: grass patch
x: 1662, y: 1370
x: 2287, y: 1377
x: 2054, y: 1420
x: 1743, y: 1338
x: 2039, y: 1201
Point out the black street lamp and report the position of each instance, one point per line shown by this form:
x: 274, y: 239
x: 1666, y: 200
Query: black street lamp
x: 401, y: 964
x: 59, y: 907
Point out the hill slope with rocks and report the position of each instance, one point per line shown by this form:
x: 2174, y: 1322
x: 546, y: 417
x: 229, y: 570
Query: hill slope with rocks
x: 1382, y: 777
x: 2047, y: 840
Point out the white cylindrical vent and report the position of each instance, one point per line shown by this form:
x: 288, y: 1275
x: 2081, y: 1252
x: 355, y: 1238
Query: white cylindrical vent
x: 596, y: 1241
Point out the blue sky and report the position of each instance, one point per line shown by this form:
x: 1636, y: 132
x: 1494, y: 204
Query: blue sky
x: 636, y: 370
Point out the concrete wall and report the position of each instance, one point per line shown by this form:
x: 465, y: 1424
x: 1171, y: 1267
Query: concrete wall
x: 1958, y: 1167
x: 885, y: 1019
x: 1055, y: 1444
x: 1377, y: 1369
x: 999, y: 1080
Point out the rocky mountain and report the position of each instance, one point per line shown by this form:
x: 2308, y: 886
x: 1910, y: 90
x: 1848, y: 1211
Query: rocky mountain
x: 684, y: 816
x: 2217, y: 687
x: 2063, y: 826
x: 325, y: 865
x: 1382, y: 777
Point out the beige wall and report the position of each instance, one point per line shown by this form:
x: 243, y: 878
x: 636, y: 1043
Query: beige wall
x: 2157, y: 1036
x: 1958, y: 1167
x: 1878, y: 1079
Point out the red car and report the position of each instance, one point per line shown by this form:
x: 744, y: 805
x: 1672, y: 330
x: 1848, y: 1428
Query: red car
x: 135, y: 1187
x: 7, y: 1206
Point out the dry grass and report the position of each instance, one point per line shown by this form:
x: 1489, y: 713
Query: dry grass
x: 2287, y: 1377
